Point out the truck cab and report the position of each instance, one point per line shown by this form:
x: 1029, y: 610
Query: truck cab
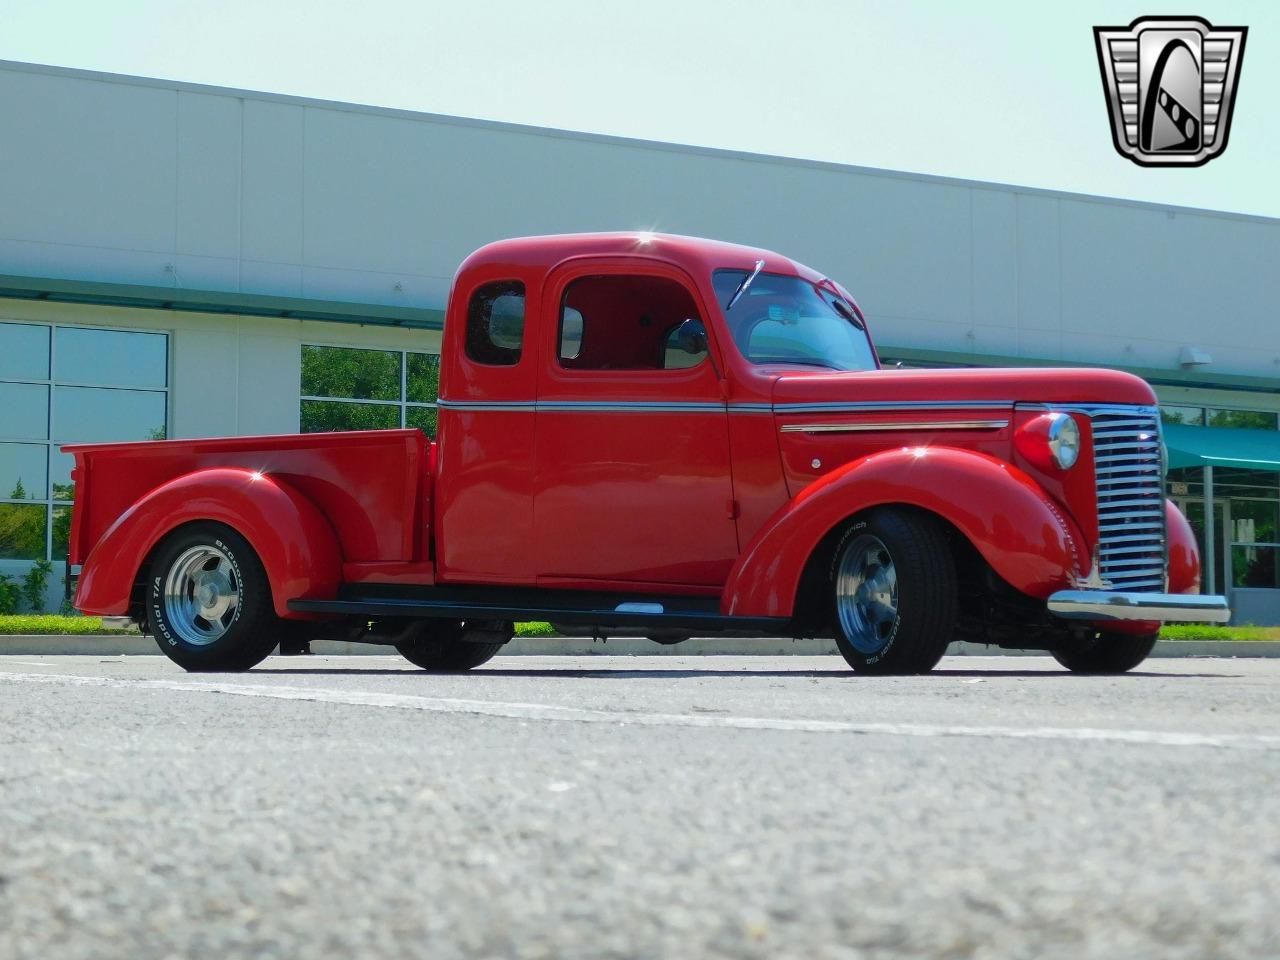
x: 662, y: 433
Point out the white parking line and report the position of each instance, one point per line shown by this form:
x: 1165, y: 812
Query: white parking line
x: 31, y: 663
x: 542, y: 711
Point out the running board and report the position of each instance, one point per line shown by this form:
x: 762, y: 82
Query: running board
x: 627, y: 614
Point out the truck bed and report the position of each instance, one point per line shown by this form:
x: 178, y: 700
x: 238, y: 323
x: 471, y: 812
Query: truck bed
x: 373, y: 486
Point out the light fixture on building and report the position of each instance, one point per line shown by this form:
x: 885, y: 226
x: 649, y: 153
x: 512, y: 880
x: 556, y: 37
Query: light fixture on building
x: 1193, y: 357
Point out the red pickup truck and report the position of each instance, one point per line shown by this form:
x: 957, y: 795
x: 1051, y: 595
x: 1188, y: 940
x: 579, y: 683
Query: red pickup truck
x: 671, y: 435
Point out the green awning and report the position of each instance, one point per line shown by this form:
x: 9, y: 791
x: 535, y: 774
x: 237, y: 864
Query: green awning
x: 1222, y: 447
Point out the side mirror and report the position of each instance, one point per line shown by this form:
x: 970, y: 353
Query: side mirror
x: 691, y: 337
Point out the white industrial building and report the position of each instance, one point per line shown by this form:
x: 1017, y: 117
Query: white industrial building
x: 178, y: 260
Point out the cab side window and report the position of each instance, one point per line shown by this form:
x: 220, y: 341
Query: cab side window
x: 627, y: 323
x: 495, y: 323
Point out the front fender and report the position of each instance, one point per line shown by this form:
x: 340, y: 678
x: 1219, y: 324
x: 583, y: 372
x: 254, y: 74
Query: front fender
x: 297, y: 546
x: 1002, y: 511
x: 1184, y: 554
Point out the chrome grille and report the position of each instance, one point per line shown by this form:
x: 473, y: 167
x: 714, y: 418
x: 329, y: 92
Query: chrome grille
x: 1130, y: 482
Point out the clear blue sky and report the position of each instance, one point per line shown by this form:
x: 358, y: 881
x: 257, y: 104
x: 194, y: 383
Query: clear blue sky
x: 1002, y: 91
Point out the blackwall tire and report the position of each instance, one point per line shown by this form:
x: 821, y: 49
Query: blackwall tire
x: 1106, y: 652
x: 209, y: 601
x: 452, y: 646
x: 894, y: 592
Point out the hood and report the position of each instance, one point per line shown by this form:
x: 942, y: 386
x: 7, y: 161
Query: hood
x: 988, y: 386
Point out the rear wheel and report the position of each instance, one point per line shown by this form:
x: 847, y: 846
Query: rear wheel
x: 447, y: 646
x: 208, y: 600
x: 894, y: 590
x: 1105, y: 652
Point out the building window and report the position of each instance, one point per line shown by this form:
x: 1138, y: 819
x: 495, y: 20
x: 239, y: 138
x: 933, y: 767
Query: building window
x: 1242, y: 419
x: 346, y: 388
x: 61, y: 384
x: 1220, y: 417
x: 1183, y: 416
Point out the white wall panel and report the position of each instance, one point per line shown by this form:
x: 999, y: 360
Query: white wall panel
x: 994, y: 243
x: 269, y: 369
x: 1039, y: 269
x: 87, y: 163
x: 369, y: 183
x: 271, y: 279
x: 204, y: 359
x: 204, y: 273
x: 271, y: 201
x: 208, y: 197
x: 34, y: 258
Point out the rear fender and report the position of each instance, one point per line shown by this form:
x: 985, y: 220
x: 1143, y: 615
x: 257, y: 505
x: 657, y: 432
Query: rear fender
x: 297, y: 546
x: 1003, y: 512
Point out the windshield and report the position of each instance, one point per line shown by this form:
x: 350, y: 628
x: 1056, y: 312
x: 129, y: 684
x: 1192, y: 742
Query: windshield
x: 786, y: 319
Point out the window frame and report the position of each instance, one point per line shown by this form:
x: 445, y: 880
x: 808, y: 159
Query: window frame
x: 52, y: 441
x: 404, y: 403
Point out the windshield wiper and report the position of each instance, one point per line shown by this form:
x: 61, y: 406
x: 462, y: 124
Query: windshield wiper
x: 742, y: 287
x: 801, y: 362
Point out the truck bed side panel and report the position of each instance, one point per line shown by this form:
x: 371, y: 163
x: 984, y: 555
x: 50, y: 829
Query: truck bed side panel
x: 370, y: 484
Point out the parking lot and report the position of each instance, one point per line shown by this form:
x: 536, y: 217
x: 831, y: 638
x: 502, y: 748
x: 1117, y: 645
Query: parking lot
x: 638, y: 807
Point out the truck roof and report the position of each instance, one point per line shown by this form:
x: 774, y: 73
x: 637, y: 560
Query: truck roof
x: 695, y: 254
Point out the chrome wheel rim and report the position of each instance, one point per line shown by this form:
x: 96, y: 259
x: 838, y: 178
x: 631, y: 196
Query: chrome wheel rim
x: 201, y: 595
x: 867, y: 594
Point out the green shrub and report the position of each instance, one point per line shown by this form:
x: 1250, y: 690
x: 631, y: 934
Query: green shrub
x: 534, y: 629
x: 35, y: 584
x: 10, y: 594
x: 50, y: 624
x: 1204, y: 631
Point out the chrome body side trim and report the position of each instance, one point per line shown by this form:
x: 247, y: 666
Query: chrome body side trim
x: 628, y: 406
x: 892, y: 425
x: 712, y: 406
x: 507, y: 406
x: 876, y: 406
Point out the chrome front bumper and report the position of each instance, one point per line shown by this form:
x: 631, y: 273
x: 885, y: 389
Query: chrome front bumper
x: 1107, y: 605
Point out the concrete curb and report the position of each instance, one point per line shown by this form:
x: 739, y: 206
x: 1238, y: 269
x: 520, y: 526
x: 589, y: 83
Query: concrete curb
x: 112, y: 645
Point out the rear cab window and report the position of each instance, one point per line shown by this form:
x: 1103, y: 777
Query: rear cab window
x: 495, y: 323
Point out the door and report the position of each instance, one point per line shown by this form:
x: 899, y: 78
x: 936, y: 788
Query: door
x: 633, y: 485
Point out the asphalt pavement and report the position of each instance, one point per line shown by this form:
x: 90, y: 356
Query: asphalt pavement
x: 602, y: 807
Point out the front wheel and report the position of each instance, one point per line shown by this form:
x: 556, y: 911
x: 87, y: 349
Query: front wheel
x: 894, y: 590
x: 668, y: 636
x: 449, y: 646
x: 208, y: 600
x: 1105, y: 652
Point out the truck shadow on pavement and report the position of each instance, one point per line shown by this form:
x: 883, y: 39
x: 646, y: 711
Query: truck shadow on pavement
x: 684, y: 673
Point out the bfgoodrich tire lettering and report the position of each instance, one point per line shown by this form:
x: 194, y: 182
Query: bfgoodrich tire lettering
x: 894, y: 592
x: 208, y: 600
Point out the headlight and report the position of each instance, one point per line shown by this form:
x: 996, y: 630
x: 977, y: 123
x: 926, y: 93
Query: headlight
x: 1064, y: 440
